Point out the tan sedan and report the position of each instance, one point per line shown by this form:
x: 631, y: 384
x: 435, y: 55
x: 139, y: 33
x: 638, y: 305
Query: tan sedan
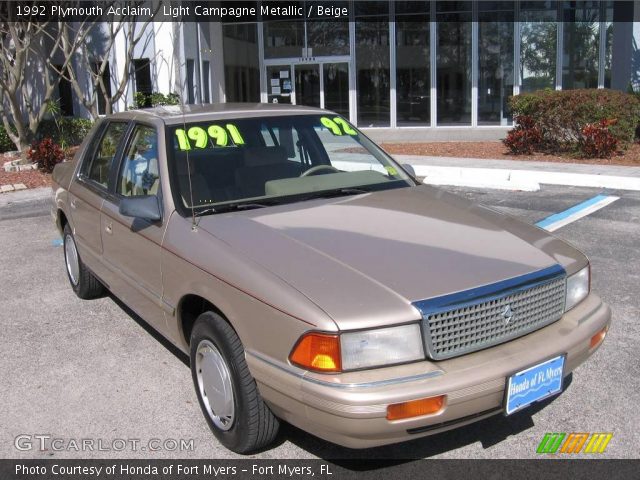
x: 313, y: 280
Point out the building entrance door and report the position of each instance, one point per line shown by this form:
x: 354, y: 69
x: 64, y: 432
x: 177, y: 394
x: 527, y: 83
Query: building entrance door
x: 322, y: 85
x: 307, y: 84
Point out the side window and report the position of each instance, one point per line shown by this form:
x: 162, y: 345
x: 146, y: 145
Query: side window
x: 102, y: 161
x: 139, y: 174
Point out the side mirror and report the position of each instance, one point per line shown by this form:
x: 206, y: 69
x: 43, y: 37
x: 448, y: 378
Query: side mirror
x: 409, y: 169
x: 146, y: 207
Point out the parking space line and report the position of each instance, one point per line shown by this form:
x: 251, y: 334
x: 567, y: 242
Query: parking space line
x: 557, y: 220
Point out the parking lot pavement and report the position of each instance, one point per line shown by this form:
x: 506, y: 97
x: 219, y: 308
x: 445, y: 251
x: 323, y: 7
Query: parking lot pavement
x: 77, y: 369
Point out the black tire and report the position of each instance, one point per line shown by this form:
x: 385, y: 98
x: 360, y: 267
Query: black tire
x: 87, y: 286
x: 253, y: 426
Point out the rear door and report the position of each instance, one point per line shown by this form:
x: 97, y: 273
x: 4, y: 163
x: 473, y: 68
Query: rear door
x: 89, y: 189
x: 132, y: 245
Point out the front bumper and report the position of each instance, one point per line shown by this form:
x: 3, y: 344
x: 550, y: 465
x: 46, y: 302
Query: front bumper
x: 350, y: 408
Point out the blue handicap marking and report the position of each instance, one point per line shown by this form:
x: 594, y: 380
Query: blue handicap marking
x: 56, y: 242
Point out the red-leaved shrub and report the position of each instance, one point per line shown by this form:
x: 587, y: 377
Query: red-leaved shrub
x: 597, y: 140
x: 524, y: 137
x: 46, y: 154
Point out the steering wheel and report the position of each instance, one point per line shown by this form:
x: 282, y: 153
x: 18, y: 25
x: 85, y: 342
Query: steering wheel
x: 319, y: 168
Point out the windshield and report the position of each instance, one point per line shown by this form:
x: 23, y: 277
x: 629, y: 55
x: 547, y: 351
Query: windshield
x: 255, y: 162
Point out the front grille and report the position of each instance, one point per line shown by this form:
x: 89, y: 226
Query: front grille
x: 455, y: 329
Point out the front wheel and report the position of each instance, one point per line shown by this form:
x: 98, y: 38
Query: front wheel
x: 227, y: 393
x: 84, y: 283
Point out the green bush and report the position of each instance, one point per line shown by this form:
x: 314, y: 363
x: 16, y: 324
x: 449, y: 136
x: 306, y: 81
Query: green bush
x: 561, y: 116
x: 155, y: 99
x: 68, y: 131
x: 6, y: 145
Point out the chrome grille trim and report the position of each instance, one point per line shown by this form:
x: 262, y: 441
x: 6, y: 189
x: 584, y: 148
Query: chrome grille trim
x: 475, y: 319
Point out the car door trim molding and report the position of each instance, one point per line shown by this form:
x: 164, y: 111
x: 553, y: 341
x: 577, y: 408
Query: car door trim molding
x: 154, y: 297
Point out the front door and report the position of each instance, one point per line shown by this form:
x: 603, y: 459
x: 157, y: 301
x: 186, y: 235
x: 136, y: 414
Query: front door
x: 320, y: 85
x: 307, y: 85
x: 132, y: 245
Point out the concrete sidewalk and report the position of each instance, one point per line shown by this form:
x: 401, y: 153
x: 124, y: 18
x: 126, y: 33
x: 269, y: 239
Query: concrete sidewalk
x: 520, y: 175
x: 462, y: 172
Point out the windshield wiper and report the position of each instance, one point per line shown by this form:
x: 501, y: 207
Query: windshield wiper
x: 337, y: 192
x: 228, y: 207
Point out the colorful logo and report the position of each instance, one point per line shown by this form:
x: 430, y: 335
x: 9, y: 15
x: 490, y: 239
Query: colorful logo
x: 574, y: 443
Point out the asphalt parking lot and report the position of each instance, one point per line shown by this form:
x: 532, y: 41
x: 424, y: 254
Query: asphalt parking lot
x: 75, y: 369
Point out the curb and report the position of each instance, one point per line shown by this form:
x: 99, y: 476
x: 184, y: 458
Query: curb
x: 28, y: 195
x: 525, y: 180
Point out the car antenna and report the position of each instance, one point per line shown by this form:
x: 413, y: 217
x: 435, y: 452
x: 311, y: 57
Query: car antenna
x: 194, y: 225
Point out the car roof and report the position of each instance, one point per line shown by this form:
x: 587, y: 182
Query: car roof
x: 176, y: 114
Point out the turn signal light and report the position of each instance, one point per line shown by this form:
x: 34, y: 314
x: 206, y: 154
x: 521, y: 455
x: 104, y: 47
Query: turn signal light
x: 415, y: 408
x: 319, y: 352
x: 598, y: 337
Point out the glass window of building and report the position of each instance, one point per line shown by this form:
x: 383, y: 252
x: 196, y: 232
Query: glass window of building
x: 241, y: 63
x: 283, y: 39
x: 538, y: 42
x: 336, y: 87
x: 191, y: 83
x: 413, y: 80
x: 372, y: 63
x: 206, y: 81
x: 495, y: 56
x: 327, y: 36
x: 279, y: 84
x: 106, y: 81
x: 142, y: 74
x: 581, y: 44
x: 453, y: 73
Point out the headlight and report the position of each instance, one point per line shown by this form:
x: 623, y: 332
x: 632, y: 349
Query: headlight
x: 382, y: 346
x: 577, y: 288
x: 332, y: 352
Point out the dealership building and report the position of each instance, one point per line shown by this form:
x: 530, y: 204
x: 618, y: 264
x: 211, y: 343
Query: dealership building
x: 411, y: 70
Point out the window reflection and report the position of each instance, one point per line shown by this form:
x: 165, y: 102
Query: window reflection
x: 372, y: 63
x: 283, y: 39
x: 328, y: 38
x: 336, y: 87
x: 413, y: 82
x: 241, y: 65
x: 539, y: 35
x: 495, y: 82
x: 454, y: 63
x: 326, y: 35
x: 580, y: 55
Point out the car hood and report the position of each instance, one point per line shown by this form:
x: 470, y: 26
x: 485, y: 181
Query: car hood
x: 364, y: 259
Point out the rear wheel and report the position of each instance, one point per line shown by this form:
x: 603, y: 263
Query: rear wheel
x: 84, y: 283
x: 227, y: 393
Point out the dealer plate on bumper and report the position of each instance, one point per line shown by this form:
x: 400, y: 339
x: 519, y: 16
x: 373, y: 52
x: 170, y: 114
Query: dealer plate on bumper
x: 534, y: 384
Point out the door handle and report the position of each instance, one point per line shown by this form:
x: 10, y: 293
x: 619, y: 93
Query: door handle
x: 109, y: 228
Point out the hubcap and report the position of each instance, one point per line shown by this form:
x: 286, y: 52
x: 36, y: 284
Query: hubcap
x: 214, y: 384
x: 71, y: 258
